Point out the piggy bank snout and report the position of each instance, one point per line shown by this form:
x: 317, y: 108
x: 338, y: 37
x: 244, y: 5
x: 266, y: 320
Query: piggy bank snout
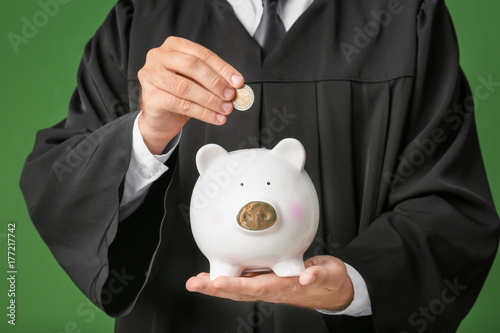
x: 256, y: 216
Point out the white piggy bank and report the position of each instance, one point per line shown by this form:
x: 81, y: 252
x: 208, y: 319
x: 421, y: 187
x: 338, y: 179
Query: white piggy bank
x: 253, y: 209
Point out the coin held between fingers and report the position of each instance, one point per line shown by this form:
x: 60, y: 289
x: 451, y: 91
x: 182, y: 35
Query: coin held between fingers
x: 243, y: 98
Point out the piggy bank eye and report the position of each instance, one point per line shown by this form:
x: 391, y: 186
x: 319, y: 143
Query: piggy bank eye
x: 241, y: 184
x: 268, y: 183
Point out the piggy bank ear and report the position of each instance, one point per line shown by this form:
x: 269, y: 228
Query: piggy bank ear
x: 292, y: 151
x: 207, y: 155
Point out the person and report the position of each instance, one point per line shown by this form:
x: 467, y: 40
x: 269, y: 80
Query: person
x: 373, y: 90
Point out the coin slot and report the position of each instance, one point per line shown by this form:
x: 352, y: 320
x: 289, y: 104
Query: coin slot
x: 256, y: 216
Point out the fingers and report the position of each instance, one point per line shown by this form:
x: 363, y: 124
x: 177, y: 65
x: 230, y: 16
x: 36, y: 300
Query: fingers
x: 265, y: 287
x: 202, y: 284
x: 184, y: 88
x: 248, y: 286
x: 198, y: 283
x: 197, y: 71
x: 203, y: 275
x: 201, y: 56
x: 161, y: 99
x: 186, y: 78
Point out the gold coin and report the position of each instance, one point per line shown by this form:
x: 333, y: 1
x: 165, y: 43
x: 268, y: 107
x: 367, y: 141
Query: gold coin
x: 243, y: 99
x: 256, y: 216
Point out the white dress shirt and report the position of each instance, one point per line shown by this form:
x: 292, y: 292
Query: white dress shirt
x: 145, y: 168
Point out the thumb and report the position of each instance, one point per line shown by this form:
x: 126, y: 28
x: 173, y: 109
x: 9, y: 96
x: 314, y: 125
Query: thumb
x: 323, y: 271
x: 317, y: 275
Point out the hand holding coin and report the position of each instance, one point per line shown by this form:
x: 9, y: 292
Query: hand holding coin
x: 182, y: 80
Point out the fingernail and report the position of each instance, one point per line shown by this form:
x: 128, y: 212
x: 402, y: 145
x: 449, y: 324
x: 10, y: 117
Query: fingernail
x: 228, y: 93
x: 220, y: 118
x: 227, y: 107
x: 237, y: 80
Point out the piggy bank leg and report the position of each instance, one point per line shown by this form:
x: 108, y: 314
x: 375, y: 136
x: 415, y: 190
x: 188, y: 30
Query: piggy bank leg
x: 218, y: 268
x: 290, y: 267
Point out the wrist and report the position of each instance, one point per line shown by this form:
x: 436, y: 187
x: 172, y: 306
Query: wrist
x: 347, y: 295
x: 344, y: 294
x: 360, y: 304
x: 155, y: 140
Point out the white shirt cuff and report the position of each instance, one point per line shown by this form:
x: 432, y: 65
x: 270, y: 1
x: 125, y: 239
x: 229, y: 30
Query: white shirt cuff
x: 360, y: 305
x: 144, y: 169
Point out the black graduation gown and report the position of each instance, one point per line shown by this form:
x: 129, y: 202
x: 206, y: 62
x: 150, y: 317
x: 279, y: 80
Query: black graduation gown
x: 387, y: 122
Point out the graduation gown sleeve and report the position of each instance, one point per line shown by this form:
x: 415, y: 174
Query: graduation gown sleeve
x: 425, y: 258
x: 72, y: 180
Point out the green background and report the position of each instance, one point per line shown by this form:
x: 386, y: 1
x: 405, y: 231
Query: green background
x: 35, y: 87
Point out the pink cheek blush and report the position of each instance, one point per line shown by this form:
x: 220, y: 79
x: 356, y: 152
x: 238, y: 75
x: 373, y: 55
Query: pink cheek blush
x: 296, y: 210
